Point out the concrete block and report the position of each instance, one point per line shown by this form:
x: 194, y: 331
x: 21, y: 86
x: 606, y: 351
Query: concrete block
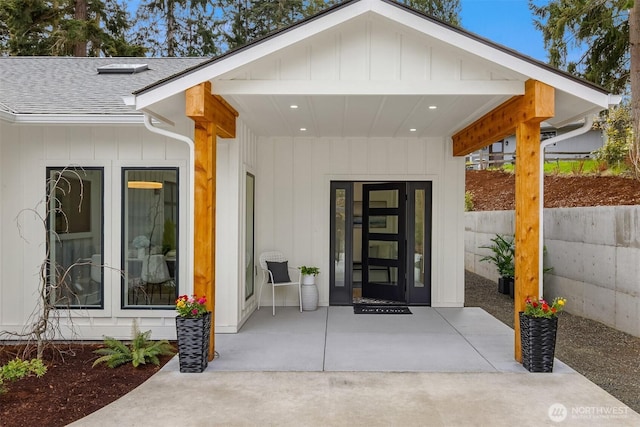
x: 594, y: 225
x: 572, y: 290
x: 628, y: 271
x: 496, y: 222
x: 566, y: 258
x: 628, y: 314
x: 470, y: 220
x: 599, y: 265
x: 469, y: 263
x: 628, y: 226
x: 600, y: 304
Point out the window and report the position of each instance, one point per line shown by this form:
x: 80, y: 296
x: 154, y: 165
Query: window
x: 149, y: 237
x: 249, y: 236
x: 75, y: 233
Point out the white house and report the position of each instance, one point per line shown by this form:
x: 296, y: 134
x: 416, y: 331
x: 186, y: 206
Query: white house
x: 343, y: 132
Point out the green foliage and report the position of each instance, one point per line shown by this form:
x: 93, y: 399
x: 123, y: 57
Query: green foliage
x: 17, y: 369
x: 600, y: 29
x: 309, y: 271
x: 468, y: 201
x: 619, y: 130
x: 503, y: 256
x: 445, y: 10
x: 168, y: 236
x: 139, y: 352
x: 67, y: 27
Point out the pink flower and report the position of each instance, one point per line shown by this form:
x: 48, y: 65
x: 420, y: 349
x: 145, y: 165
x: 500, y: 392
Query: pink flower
x: 194, y: 311
x: 202, y: 300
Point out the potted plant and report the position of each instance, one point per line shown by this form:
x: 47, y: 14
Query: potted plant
x: 193, y: 327
x: 309, y: 292
x: 538, y: 327
x: 503, y: 249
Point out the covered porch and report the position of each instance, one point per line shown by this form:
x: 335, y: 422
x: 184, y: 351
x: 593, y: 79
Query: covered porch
x: 431, y: 339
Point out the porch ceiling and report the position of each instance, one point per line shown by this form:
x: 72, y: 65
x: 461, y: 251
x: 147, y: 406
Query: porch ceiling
x: 360, y: 115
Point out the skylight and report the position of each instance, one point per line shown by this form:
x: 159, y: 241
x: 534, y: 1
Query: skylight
x: 122, y: 68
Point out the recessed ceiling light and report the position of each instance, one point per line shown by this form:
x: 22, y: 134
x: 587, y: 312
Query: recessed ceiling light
x: 413, y: 130
x: 293, y: 106
x: 432, y: 107
x: 303, y: 129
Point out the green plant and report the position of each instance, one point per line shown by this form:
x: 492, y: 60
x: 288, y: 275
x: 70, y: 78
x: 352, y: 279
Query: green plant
x: 309, y: 271
x: 168, y: 236
x: 503, y: 255
x: 535, y: 308
x: 17, y: 369
x: 468, y: 201
x: 191, y: 306
x: 140, y: 351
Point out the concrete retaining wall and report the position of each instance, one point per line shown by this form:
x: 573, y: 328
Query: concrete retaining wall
x: 594, y: 252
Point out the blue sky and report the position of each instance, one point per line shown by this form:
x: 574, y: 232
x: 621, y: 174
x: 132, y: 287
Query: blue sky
x: 507, y: 22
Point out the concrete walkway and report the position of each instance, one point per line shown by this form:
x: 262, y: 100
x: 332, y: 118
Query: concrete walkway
x: 437, y: 367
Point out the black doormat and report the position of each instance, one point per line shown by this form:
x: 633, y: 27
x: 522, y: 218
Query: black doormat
x: 380, y: 309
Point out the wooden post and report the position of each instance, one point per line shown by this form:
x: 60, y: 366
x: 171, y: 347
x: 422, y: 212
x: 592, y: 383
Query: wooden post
x: 212, y: 117
x: 527, y: 221
x: 522, y: 115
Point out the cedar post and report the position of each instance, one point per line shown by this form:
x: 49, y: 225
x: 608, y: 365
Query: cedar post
x: 522, y: 115
x: 213, y: 117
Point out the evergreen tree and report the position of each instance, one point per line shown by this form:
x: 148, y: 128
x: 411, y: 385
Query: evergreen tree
x: 65, y: 28
x: 608, y: 34
x: 599, y: 28
x: 178, y: 27
x: 445, y: 10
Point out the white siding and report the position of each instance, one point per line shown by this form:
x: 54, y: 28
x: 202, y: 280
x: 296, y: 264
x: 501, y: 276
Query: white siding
x: 371, y: 48
x: 25, y: 152
x: 292, y: 199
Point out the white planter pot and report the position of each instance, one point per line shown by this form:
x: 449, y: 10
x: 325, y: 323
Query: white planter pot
x: 308, y: 279
x: 309, y: 297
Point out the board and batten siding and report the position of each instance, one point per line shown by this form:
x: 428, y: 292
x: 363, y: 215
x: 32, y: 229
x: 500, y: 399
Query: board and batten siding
x: 293, y: 201
x: 25, y: 153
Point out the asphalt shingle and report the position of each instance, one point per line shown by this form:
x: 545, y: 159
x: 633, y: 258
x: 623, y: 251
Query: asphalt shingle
x: 68, y: 85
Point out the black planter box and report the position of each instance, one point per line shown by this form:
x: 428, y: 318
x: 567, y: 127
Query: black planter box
x: 538, y: 342
x: 505, y: 285
x: 193, y: 342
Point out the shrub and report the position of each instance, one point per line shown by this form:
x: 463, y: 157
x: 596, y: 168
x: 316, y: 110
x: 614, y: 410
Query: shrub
x: 618, y: 128
x: 140, y: 351
x: 18, y: 369
x: 468, y: 201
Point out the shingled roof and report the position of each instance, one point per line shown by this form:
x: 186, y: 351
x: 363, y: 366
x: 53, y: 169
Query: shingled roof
x: 68, y: 85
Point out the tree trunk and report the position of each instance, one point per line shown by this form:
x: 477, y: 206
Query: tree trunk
x: 634, y: 47
x: 80, y: 46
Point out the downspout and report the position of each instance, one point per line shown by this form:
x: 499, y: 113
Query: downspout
x: 191, y: 228
x: 588, y: 123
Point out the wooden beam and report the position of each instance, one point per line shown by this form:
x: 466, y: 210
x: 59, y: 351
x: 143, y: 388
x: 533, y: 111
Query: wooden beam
x: 213, y: 117
x: 536, y: 105
x: 527, y: 224
x: 201, y: 105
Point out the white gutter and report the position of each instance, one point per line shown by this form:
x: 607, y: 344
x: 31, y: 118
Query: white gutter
x: 191, y: 228
x: 75, y: 119
x: 586, y: 127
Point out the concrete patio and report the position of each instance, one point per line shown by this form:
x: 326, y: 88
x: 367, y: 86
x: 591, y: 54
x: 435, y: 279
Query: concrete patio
x: 438, y: 366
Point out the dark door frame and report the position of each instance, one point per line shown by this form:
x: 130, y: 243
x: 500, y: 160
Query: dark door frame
x: 341, y: 291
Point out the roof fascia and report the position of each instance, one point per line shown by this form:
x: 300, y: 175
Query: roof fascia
x: 493, y: 52
x: 225, y: 63
x: 79, y: 119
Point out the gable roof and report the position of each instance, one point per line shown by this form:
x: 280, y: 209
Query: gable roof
x: 346, y: 3
x: 35, y: 87
x: 353, y: 57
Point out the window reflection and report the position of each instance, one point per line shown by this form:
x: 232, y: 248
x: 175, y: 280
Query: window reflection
x: 75, y: 235
x: 150, y: 236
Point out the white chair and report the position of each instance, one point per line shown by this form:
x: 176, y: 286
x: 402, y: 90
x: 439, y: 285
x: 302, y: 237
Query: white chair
x: 155, y: 272
x: 268, y: 277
